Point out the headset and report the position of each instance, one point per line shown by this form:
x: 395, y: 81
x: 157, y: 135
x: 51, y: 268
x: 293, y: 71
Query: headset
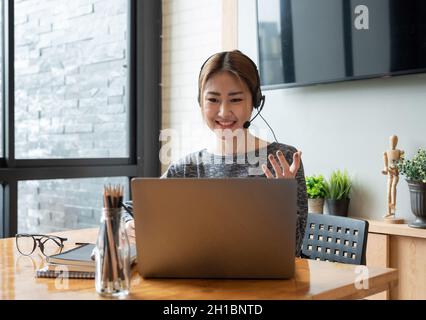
x: 258, y: 97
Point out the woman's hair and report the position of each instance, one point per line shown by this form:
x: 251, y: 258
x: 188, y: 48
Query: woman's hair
x: 236, y: 63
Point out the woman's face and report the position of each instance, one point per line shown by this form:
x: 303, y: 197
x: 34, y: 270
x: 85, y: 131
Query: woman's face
x: 226, y: 102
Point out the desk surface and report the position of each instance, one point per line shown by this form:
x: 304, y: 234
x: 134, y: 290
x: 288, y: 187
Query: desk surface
x: 313, y: 280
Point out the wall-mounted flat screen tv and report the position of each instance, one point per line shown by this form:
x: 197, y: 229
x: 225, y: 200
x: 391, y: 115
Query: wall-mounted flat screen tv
x: 304, y: 42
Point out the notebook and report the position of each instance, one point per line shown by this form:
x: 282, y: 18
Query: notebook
x: 77, y: 263
x: 71, y: 267
x: 46, y: 273
x: 79, y: 256
x: 82, y: 256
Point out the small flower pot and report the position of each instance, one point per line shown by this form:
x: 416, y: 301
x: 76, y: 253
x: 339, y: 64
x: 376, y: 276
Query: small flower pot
x: 418, y: 203
x: 337, y: 207
x: 315, y: 205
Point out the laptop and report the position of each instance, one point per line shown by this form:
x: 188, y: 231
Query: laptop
x: 241, y: 228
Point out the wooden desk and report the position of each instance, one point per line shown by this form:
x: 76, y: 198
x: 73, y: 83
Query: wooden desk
x: 313, y: 280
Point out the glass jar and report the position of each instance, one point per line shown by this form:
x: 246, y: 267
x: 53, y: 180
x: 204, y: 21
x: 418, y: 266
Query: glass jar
x: 112, y: 255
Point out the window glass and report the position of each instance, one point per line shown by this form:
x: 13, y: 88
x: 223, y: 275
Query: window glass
x: 57, y: 205
x: 1, y: 82
x: 71, y: 79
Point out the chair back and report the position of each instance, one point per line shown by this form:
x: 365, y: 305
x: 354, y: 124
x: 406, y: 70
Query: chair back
x: 335, y: 239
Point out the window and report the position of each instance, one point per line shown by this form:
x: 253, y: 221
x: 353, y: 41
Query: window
x: 74, y: 119
x: 1, y: 79
x: 57, y: 205
x: 71, y: 79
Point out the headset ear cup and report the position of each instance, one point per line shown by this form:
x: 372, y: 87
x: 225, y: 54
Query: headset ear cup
x: 258, y: 99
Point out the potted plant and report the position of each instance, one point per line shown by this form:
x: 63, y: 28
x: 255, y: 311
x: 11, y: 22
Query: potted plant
x: 315, y: 188
x: 415, y: 172
x: 337, y: 193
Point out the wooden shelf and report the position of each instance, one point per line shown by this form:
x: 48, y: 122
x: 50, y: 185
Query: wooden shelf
x: 395, y: 229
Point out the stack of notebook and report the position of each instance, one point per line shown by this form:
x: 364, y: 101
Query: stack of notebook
x: 77, y: 263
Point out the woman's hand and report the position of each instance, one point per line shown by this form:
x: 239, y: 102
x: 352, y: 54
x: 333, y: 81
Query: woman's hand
x: 282, y: 169
x: 130, y: 229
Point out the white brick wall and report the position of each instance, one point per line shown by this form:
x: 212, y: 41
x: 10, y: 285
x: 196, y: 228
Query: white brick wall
x: 192, y: 31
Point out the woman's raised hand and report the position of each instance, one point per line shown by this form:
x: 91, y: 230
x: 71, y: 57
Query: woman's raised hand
x: 281, y: 167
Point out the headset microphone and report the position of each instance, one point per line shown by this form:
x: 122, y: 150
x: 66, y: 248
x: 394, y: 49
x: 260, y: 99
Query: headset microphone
x: 248, y: 123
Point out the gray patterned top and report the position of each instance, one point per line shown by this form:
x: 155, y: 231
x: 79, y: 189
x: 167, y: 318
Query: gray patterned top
x: 203, y: 164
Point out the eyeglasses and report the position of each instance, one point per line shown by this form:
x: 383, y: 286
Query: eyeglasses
x: 49, y: 245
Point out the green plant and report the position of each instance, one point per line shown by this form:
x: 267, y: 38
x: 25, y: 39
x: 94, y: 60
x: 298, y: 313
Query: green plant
x: 415, y: 169
x: 338, y: 186
x: 315, y: 187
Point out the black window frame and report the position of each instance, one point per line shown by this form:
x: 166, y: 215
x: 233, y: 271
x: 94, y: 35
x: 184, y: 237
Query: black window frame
x: 144, y: 101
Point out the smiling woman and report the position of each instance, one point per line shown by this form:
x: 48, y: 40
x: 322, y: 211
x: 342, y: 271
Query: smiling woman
x: 229, y: 90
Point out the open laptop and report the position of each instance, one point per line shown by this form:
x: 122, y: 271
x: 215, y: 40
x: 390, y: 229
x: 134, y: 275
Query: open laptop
x: 215, y: 228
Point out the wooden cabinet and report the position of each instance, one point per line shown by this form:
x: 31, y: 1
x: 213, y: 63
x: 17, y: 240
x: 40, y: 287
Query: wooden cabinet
x: 401, y: 247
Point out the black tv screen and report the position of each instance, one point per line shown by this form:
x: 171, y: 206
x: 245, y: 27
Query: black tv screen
x: 303, y: 42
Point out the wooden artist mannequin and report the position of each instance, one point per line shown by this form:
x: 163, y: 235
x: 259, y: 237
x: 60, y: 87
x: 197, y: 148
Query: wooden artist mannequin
x: 390, y: 158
